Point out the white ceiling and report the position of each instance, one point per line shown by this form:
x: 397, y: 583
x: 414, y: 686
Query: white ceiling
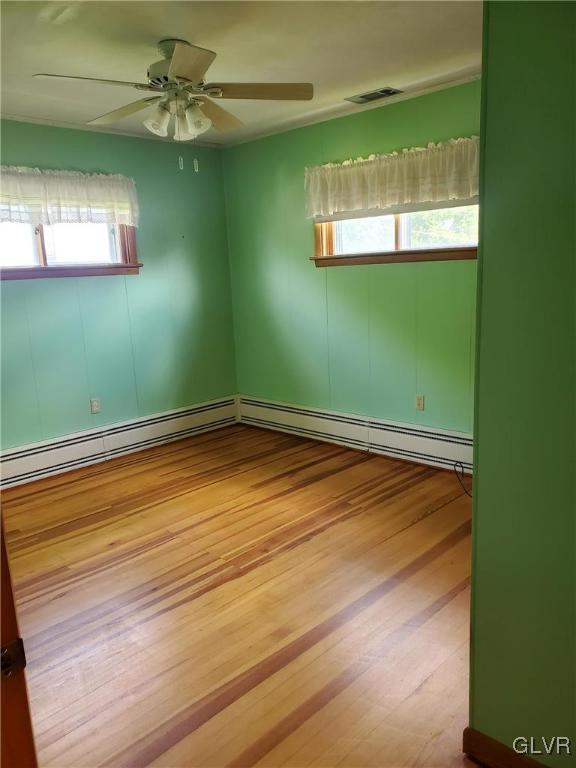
x: 343, y: 48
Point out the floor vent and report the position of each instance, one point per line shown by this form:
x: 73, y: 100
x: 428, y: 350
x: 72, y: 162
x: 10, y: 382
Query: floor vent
x: 381, y: 93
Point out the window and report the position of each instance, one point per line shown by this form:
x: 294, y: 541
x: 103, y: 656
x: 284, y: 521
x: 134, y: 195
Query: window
x: 417, y: 204
x: 424, y: 235
x: 66, y: 223
x: 59, y: 250
x: 85, y: 243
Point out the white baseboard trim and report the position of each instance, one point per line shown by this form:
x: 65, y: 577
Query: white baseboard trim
x: 425, y: 445
x: 50, y: 457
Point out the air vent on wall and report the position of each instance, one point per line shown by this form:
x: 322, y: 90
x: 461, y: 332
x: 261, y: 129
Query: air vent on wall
x: 381, y: 93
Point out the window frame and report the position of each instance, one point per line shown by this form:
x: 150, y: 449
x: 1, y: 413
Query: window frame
x: 325, y: 256
x: 128, y: 264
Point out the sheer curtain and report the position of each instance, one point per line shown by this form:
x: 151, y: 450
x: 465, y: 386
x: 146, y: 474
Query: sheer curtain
x: 398, y: 181
x: 33, y: 196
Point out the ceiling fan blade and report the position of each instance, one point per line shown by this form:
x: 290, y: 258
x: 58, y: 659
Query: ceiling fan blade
x: 129, y: 109
x: 222, y: 120
x: 272, y: 91
x: 190, y: 62
x: 139, y: 86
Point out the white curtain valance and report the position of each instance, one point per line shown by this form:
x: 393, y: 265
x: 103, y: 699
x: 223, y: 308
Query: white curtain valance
x: 32, y: 196
x: 438, y: 173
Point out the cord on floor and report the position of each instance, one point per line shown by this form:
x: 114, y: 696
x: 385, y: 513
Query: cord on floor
x: 459, y: 472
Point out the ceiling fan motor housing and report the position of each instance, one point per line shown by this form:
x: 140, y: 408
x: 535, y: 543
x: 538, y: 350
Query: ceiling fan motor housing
x: 158, y: 72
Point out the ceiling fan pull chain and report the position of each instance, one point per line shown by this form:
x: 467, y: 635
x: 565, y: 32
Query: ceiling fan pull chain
x: 195, y: 165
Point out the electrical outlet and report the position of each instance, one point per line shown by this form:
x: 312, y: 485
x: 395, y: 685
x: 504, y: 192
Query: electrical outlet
x: 419, y: 402
x: 95, y: 406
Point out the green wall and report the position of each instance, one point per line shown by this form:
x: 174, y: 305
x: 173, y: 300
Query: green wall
x: 143, y: 344
x: 523, y: 647
x: 361, y: 339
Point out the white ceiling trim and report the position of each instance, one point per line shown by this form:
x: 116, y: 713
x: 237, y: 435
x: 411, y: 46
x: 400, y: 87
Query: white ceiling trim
x: 313, y: 120
x: 297, y: 123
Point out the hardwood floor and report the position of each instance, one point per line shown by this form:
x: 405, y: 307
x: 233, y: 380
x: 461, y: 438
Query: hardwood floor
x: 244, y: 598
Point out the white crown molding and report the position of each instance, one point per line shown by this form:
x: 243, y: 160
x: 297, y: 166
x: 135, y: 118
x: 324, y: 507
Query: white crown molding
x: 333, y: 112
x: 89, y: 129
x: 348, y: 108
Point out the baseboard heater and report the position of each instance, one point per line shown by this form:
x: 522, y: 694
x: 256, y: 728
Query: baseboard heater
x: 50, y: 457
x: 424, y: 445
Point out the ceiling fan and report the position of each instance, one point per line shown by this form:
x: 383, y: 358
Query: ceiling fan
x: 177, y: 82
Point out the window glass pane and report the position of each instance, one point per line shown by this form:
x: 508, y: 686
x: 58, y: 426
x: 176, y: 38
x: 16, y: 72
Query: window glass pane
x: 80, y: 244
x: 366, y: 235
x: 449, y: 227
x: 17, y: 245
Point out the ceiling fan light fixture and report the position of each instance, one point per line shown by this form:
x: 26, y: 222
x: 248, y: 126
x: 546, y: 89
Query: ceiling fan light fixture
x: 159, y: 121
x: 196, y: 120
x: 181, y: 132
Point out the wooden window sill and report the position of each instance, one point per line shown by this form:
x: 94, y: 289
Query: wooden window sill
x: 396, y: 257
x: 31, y: 273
